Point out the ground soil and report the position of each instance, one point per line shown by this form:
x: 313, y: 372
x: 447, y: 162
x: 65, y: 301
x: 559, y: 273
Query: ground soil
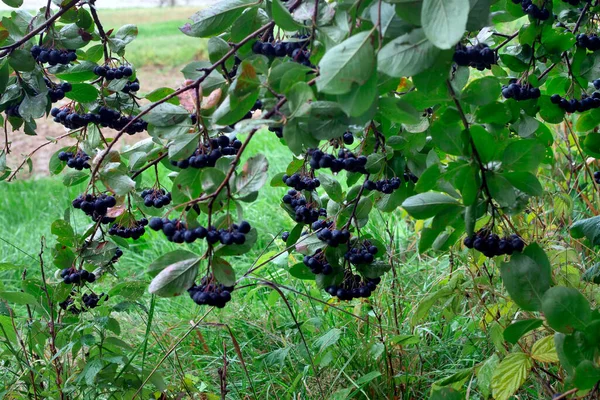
x: 21, y: 145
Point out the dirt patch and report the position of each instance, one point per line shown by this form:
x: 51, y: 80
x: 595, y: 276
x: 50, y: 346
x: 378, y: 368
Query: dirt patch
x: 22, y: 144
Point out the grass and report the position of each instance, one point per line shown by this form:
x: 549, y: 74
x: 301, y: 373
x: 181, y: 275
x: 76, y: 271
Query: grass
x: 158, y: 32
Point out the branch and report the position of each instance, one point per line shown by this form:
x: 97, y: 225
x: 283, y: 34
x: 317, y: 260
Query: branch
x: 471, y: 141
x: 12, y: 176
x: 9, y: 49
x: 138, y: 172
x: 506, y: 41
x: 103, y: 36
x: 192, y: 85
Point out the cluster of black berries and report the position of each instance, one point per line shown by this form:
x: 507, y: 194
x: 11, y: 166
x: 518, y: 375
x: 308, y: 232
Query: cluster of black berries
x: 353, y: 287
x: 491, y: 245
x: 57, y: 92
x: 532, y: 10
x: 294, y: 50
x: 363, y: 254
x: 118, y: 254
x: 89, y: 301
x: 479, y: 56
x: 591, y: 43
x: 53, y: 56
x: 131, y: 87
x: 409, y: 176
x: 207, y: 155
x: 301, y: 182
x: 134, y: 231
x: 156, y: 197
x: 210, y: 293
x: 71, y: 275
x: 348, y: 138
x: 13, y: 111
x: 278, y: 130
x: 69, y: 304
x: 78, y: 161
x: 96, y: 206
x: 105, y: 117
x: 520, y: 92
x: 333, y: 237
x: 386, y: 186
x: 318, y: 263
x: 176, y: 231
x: 586, y: 103
x: 305, y: 212
x: 346, y: 161
x: 110, y: 73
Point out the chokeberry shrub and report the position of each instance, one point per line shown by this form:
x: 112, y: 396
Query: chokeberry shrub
x: 445, y: 113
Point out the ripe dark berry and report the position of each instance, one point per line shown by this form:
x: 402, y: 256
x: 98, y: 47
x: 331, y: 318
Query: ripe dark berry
x: 348, y: 138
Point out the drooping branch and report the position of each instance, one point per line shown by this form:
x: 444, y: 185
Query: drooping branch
x: 11, y: 47
x: 101, y: 31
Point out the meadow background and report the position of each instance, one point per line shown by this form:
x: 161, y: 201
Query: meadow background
x: 369, y: 348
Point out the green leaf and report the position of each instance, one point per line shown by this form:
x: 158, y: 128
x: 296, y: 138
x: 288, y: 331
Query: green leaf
x: 510, y: 374
x: 332, y: 187
x: 223, y: 271
x: 229, y: 113
x: 173, y: 273
x: 590, y: 228
x: 526, y: 182
x: 427, y: 205
x: 482, y: 91
x: 215, y: 19
x: 592, y: 274
x: 299, y: 97
x: 301, y: 271
x: 526, y: 281
x: 407, y: 55
x: 444, y: 21
x: 91, y: 370
x: 21, y: 60
x: 18, y: 298
x: 351, y: 61
x: 283, y: 18
x: 501, y: 189
x: 484, y: 375
x: 523, y: 155
x: 160, y: 93
x: 446, y: 393
x: 73, y: 178
x: 253, y: 176
x: 79, y: 72
x: 13, y: 3
x: 398, y: 110
x: 166, y: 114
x: 566, y: 309
x: 516, y: 330
x: 586, y: 375
x: 82, y: 92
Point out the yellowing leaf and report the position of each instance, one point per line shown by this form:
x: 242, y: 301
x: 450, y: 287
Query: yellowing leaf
x: 544, y: 350
x: 510, y: 375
